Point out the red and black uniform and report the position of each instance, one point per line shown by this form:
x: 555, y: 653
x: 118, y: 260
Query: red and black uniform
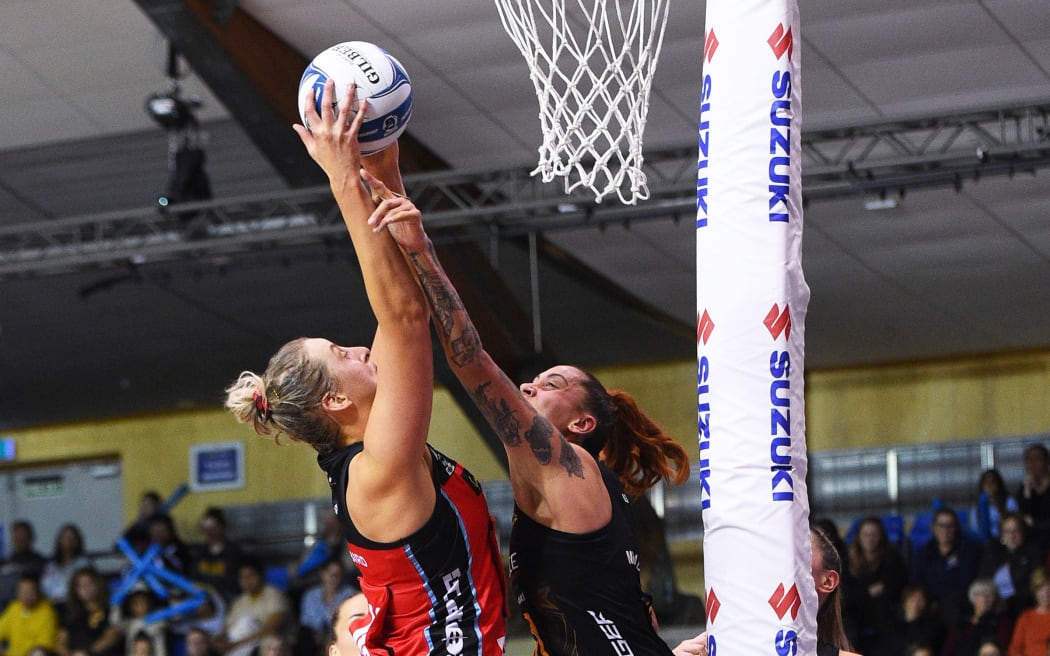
x: 581, y: 595
x: 439, y: 591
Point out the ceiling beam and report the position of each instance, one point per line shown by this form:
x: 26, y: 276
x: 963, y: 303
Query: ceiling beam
x: 477, y: 205
x: 251, y: 71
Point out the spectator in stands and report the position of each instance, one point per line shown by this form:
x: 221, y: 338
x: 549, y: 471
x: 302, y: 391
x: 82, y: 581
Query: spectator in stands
x: 329, y: 544
x: 1033, y: 497
x: 259, y: 609
x: 209, y: 617
x: 993, y: 502
x: 198, y: 643
x: 85, y: 627
x: 946, y: 565
x: 340, y: 641
x: 1009, y: 561
x: 1032, y: 631
x: 216, y: 561
x: 24, y: 559
x: 322, y: 600
x: 275, y: 644
x: 174, y: 554
x: 28, y: 621
x: 131, y: 619
x: 984, y: 623
x: 827, y: 526
x: 826, y: 568
x: 67, y: 557
x: 875, y: 578
x: 137, y: 534
x: 142, y: 644
x: 989, y: 648
x: 915, y: 623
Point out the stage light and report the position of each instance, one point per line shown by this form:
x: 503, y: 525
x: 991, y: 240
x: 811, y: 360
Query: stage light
x: 171, y: 111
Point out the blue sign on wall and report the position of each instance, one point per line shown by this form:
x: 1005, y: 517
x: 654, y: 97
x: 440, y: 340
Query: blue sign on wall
x: 217, y: 466
x: 7, y: 449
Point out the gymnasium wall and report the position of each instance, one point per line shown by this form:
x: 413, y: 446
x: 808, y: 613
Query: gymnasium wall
x: 962, y: 399
x: 958, y: 399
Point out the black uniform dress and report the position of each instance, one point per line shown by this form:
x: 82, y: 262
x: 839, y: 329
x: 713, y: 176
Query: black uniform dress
x: 581, y: 594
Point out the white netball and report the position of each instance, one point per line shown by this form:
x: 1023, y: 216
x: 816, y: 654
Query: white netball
x: 380, y: 78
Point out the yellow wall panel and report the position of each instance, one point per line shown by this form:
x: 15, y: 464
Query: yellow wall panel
x: 1005, y: 395
x: 992, y: 396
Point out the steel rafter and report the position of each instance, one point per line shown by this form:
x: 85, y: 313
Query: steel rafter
x: 858, y: 160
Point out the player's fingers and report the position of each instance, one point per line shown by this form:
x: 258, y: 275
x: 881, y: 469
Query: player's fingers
x: 304, y: 134
x: 327, y: 100
x: 379, y: 189
x: 359, y: 117
x: 392, y: 210
x: 309, y: 104
x: 345, y: 104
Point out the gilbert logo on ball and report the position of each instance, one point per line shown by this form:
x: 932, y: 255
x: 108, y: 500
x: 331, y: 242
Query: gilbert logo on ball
x: 380, y: 78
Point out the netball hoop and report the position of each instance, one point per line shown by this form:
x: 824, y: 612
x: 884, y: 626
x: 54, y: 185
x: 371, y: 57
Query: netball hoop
x: 592, y: 67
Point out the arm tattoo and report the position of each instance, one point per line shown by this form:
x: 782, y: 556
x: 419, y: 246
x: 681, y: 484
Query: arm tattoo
x: 508, y: 427
x: 444, y: 304
x: 570, y: 460
x: 539, y: 439
x: 443, y: 301
x: 464, y: 349
x: 502, y: 419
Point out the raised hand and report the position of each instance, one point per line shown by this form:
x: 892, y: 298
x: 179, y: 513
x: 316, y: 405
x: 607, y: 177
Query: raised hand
x: 398, y: 214
x: 331, y: 137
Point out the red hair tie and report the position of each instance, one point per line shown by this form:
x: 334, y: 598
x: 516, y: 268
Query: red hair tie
x: 261, y: 405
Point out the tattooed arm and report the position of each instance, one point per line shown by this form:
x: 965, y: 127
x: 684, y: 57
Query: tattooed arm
x: 543, y: 463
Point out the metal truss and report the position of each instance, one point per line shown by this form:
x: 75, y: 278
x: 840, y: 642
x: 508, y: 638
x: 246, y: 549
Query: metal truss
x: 858, y: 160
x: 925, y: 152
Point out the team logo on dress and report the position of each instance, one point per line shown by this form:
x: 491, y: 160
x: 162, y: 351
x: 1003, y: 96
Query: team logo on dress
x: 358, y: 559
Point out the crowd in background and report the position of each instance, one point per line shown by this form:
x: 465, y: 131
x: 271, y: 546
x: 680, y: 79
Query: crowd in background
x: 61, y: 605
x: 976, y: 585
x: 965, y: 581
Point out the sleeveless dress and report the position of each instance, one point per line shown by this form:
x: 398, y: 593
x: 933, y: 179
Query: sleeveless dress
x: 439, y: 591
x: 581, y: 594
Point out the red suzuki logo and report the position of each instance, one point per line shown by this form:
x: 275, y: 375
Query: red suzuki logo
x: 782, y: 602
x: 781, y: 41
x: 712, y: 606
x: 710, y: 45
x: 777, y: 322
x: 704, y: 327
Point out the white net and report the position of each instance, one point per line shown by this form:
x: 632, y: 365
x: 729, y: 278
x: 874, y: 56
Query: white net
x: 592, y: 64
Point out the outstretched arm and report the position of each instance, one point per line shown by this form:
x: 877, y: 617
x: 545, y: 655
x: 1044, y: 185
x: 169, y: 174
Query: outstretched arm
x: 399, y: 416
x: 542, y: 461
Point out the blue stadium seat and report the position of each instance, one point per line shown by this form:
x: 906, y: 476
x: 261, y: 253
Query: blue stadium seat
x: 894, y: 524
x: 921, y: 530
x: 277, y: 576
